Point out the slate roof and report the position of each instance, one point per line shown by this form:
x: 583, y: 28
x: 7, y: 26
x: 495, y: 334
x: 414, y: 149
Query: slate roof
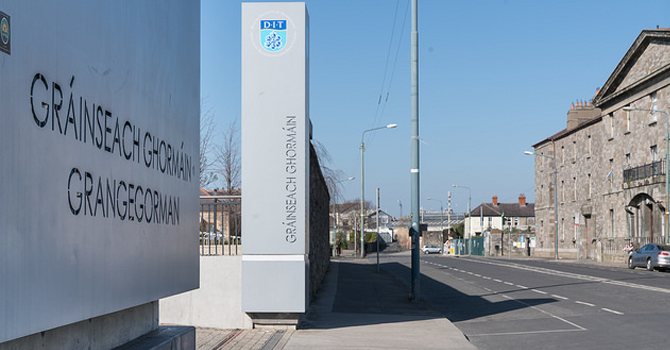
x: 510, y: 210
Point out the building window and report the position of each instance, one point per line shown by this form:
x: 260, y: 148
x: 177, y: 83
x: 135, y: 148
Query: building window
x: 562, y: 229
x: 627, y: 120
x: 539, y: 195
x: 654, y: 153
x: 574, y: 188
x: 590, y: 146
x: 612, y: 223
x: 574, y: 151
x: 627, y: 160
x: 610, y: 176
x: 562, y: 155
x: 654, y: 106
x: 516, y: 221
x: 611, y: 125
x: 588, y: 189
x: 562, y: 191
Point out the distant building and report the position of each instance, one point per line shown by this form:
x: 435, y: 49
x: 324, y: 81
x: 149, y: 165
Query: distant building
x: 498, y: 216
x: 609, y: 161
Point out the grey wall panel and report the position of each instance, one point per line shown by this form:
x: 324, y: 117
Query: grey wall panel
x: 99, y: 103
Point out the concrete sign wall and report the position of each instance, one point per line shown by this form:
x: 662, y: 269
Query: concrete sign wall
x: 275, y: 156
x: 99, y: 103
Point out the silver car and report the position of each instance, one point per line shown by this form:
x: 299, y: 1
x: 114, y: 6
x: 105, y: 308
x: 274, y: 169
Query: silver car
x: 431, y: 248
x: 652, y: 256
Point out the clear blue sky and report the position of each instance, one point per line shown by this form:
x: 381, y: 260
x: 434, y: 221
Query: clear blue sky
x: 495, y: 78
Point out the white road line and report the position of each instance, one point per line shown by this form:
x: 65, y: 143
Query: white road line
x: 545, y: 312
x: 539, y: 291
x: 612, y: 311
x: 584, y: 303
x: 522, y: 333
x: 508, y: 283
x: 522, y: 287
x: 559, y: 297
x: 486, y: 277
x: 573, y: 275
x: 478, y: 275
x: 497, y: 280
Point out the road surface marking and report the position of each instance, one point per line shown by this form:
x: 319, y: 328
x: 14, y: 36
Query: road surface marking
x: 539, y: 291
x: 508, y: 283
x: 497, y: 280
x: 522, y: 333
x: 612, y: 311
x: 559, y: 297
x: 584, y: 303
x: 572, y: 275
x: 545, y: 312
x: 478, y: 275
x: 522, y: 287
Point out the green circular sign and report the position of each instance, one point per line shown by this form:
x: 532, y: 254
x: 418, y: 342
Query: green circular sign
x: 4, y: 30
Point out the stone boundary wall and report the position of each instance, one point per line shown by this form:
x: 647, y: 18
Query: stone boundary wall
x: 319, y: 239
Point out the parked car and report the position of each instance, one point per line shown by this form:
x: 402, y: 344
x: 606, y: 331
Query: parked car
x: 431, y: 248
x: 652, y: 256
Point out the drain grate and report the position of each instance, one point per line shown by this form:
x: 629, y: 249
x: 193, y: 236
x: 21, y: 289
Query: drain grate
x: 272, y: 342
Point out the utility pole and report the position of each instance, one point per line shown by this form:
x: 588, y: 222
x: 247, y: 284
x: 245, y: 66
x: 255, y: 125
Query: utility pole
x: 415, y: 286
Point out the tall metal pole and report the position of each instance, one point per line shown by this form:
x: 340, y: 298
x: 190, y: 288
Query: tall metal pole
x: 555, y: 211
x: 362, y: 196
x: 555, y: 199
x: 390, y: 126
x: 377, y: 229
x: 415, y: 286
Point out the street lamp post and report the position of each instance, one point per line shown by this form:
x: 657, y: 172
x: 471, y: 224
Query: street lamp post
x: 390, y: 126
x: 441, y: 223
x: 555, y: 200
x: 469, y: 215
x: 337, y: 212
x: 667, y: 163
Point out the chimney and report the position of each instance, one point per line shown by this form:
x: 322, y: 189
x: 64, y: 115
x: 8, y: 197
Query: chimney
x: 522, y: 200
x: 495, y: 200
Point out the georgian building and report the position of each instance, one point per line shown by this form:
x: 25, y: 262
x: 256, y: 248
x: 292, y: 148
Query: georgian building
x: 609, y: 161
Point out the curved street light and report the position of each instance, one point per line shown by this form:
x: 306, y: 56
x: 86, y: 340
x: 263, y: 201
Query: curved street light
x: 469, y: 214
x: 529, y: 153
x: 441, y: 222
x: 390, y: 126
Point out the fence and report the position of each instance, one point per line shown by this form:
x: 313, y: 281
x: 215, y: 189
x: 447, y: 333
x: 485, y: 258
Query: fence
x: 644, y: 171
x: 220, y: 225
x: 474, y: 246
x: 616, y: 245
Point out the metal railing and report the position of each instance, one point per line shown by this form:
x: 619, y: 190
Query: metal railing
x: 220, y: 225
x: 616, y: 245
x: 644, y: 171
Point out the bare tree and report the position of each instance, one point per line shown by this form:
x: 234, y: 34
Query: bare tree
x: 207, y: 145
x: 228, y: 159
x: 332, y: 177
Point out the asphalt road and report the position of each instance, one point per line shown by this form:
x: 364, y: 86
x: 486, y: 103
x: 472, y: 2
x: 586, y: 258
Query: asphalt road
x: 536, y: 304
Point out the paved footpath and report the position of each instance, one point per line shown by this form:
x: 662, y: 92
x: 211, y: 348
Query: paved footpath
x: 356, y: 308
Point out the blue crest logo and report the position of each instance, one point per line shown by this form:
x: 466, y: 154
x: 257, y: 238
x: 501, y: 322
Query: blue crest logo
x: 273, y: 34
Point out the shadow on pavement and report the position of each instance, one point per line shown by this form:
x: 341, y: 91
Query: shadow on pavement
x: 355, y: 294
x: 457, y: 306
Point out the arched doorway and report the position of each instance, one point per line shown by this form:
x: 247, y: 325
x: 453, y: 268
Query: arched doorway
x: 645, y: 219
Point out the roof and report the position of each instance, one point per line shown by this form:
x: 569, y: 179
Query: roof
x: 509, y: 209
x: 609, y: 92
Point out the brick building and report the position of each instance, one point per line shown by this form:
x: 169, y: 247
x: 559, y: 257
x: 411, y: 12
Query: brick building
x: 609, y: 161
